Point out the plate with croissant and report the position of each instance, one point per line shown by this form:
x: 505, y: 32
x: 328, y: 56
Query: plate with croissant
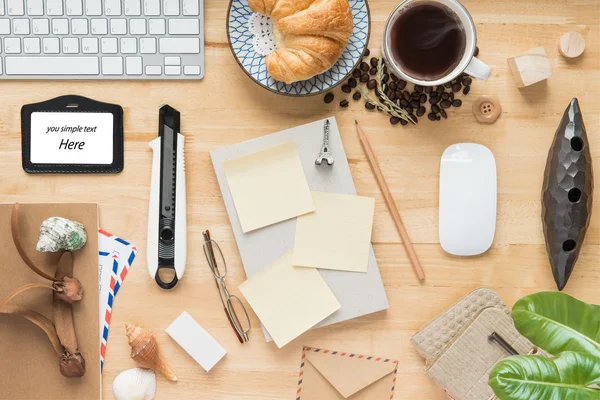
x: 298, y: 47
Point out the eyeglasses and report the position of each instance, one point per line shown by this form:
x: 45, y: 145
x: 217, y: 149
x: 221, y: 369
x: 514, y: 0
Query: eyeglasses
x: 234, y: 309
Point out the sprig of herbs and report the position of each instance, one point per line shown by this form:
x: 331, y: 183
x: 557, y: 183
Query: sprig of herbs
x: 399, y: 111
x: 392, y: 111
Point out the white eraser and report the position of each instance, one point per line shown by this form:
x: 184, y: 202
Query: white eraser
x: 194, y: 339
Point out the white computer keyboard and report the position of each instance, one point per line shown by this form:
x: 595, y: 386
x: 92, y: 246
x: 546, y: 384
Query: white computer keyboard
x: 101, y: 39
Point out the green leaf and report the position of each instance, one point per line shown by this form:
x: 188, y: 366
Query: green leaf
x: 565, y: 377
x: 557, y: 322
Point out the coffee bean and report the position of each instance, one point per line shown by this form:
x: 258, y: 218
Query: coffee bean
x: 398, y: 93
x: 467, y: 81
x: 393, y: 85
x: 423, y: 98
x: 457, y: 103
x: 344, y: 103
x: 385, y: 78
x: 385, y: 69
x: 356, y: 96
x: 346, y: 89
x: 451, y: 96
x: 419, y: 88
x: 427, y: 89
x: 391, y: 94
x: 403, y: 103
x: 420, y: 111
x: 367, y: 53
x: 374, y: 62
x: 415, y: 95
x: 373, y: 71
x: 364, y: 67
x: 466, y: 90
x: 406, y: 95
x: 445, y: 96
x: 377, y: 92
x: 476, y: 53
x: 394, y: 77
x: 435, y: 108
x: 443, y: 114
x: 447, y: 85
x: 352, y: 83
x: 440, y: 89
x: 415, y: 103
x: 434, y: 100
x: 456, y: 87
x: 401, y: 84
x: 369, y: 106
x: 394, y: 120
x: 328, y: 98
x: 356, y: 73
x: 409, y: 109
x: 403, y: 122
x: 445, y: 103
x: 372, y: 84
x: 431, y: 116
x: 415, y: 119
x: 364, y: 78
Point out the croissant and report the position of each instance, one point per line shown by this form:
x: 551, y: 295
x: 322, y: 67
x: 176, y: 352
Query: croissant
x: 310, y: 35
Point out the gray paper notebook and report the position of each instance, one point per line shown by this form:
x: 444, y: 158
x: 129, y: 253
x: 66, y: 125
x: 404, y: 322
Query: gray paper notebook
x: 358, y: 293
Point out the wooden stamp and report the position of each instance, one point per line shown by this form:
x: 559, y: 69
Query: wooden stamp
x: 571, y: 45
x: 530, y: 67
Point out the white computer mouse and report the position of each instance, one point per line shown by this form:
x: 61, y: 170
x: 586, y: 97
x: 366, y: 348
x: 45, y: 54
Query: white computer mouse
x: 467, y: 199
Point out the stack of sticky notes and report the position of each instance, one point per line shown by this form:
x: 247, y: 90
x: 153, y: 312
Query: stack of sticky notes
x: 333, y: 231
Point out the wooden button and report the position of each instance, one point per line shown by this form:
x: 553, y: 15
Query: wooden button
x: 487, y: 109
x: 571, y: 45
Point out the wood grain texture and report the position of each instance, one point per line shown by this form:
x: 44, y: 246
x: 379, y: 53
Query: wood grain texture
x: 226, y: 108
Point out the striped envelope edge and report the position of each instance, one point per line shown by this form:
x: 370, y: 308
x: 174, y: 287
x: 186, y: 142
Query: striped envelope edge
x: 333, y: 375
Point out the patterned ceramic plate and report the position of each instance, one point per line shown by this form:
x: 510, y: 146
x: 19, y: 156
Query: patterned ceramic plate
x: 247, y: 33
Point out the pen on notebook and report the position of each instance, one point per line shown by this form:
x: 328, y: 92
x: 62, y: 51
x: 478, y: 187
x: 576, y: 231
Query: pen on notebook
x: 412, y: 255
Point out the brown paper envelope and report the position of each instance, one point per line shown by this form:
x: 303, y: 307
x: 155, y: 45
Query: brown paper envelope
x: 28, y: 364
x: 333, y: 375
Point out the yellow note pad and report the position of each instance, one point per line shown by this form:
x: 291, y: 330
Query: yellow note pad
x: 337, y: 235
x: 268, y: 186
x: 289, y: 300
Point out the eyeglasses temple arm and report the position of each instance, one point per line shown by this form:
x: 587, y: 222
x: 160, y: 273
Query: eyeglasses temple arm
x: 233, y: 326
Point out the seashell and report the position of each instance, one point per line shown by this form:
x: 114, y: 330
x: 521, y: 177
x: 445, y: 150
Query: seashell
x: 144, y: 350
x: 135, y: 384
x: 58, y: 234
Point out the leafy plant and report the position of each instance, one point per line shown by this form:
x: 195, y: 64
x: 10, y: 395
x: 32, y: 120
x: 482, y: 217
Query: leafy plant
x: 562, y: 326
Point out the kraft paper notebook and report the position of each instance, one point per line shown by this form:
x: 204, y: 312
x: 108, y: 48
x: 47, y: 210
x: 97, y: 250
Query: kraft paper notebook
x: 358, y: 293
x: 28, y: 363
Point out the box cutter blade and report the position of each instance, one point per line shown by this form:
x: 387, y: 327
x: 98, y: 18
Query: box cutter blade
x: 167, y: 225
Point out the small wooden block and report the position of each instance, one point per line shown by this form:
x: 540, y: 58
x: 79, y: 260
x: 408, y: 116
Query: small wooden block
x: 571, y: 45
x: 530, y: 67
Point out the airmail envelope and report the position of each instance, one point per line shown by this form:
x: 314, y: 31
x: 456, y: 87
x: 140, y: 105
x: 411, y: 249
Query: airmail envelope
x: 334, y: 375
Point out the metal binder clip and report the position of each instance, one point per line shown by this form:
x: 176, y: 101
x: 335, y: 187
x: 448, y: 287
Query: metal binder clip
x: 325, y: 153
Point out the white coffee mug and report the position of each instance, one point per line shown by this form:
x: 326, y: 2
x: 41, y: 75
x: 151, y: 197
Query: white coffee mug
x: 467, y: 64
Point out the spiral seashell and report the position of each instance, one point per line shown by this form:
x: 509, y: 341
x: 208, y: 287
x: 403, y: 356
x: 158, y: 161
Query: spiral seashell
x: 135, y: 384
x: 58, y: 234
x: 144, y: 350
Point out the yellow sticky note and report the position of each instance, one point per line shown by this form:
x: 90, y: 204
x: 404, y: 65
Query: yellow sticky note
x: 268, y: 186
x: 337, y: 235
x: 289, y: 300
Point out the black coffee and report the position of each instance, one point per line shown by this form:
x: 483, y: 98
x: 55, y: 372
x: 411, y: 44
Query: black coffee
x: 427, y: 41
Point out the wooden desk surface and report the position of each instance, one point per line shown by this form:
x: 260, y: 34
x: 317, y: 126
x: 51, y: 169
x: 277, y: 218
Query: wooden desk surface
x: 226, y: 108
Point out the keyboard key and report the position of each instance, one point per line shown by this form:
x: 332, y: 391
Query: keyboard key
x: 40, y: 26
x: 172, y: 60
x: 54, y: 7
x: 191, y: 7
x: 109, y: 45
x: 60, y: 26
x: 70, y: 45
x: 151, y: 7
x: 147, y: 45
x: 118, y: 26
x: 20, y: 26
x: 0, y: 57
x: 137, y: 26
x: 188, y: 26
x: 112, y: 7
x: 133, y: 65
x: 171, y: 7
x: 52, y: 66
x: 153, y: 70
x: 128, y: 45
x: 133, y: 7
x: 89, y: 45
x: 112, y: 65
x: 191, y: 70
x: 35, y: 7
x: 172, y: 70
x: 12, y: 45
x: 99, y: 26
x: 156, y: 26
x: 79, y: 26
x: 1, y: 13
x: 15, y: 7
x: 179, y: 45
x: 4, y: 26
x: 51, y: 46
x: 31, y: 45
x: 74, y: 7
x: 93, y: 7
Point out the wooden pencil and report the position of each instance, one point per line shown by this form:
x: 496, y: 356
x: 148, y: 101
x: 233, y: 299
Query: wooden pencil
x: 414, y: 260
